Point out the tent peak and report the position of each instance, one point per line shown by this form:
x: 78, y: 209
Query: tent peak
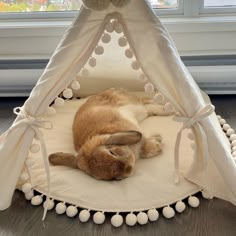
x: 100, y: 5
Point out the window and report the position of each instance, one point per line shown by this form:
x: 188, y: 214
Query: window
x: 217, y: 6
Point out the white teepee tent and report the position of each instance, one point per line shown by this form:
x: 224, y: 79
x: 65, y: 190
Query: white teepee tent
x: 159, y: 61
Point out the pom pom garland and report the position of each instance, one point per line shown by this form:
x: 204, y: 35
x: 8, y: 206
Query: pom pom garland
x: 29, y: 195
x: 51, y: 204
x: 234, y: 148
x: 117, y: 27
x: 169, y: 108
x: 193, y: 201
x: 234, y: 143
x: 85, y: 72
x: 26, y: 188
x: 75, y: 85
x: 168, y: 212
x: 99, y: 50
x: 92, y: 62
x: 135, y: 65
x: 153, y: 215
x: 98, y: 218
x: 24, y: 176
x: 51, y: 111
x: 67, y: 93
x: 34, y: 148
x: 129, y: 53
x: 106, y: 38
x: 131, y: 219
x: 29, y: 162
x: 180, y: 206
x: 60, y: 208
x: 226, y: 127
x: 222, y: 121
x: 159, y: 98
x: 122, y: 42
x: 117, y: 220
x: 71, y: 211
x: 109, y: 27
x: 142, y: 218
x: 205, y: 195
x: 59, y: 102
x: 230, y: 131
x: 142, y: 77
x: 36, y: 200
x: 232, y: 137
x: 84, y: 216
x: 234, y: 154
x: 149, y: 88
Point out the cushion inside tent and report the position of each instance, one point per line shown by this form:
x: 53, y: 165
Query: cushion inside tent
x: 151, y: 185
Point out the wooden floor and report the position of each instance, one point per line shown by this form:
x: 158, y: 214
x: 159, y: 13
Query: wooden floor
x: 212, y: 218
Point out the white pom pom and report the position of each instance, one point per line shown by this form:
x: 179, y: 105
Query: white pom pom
x: 218, y: 117
x: 67, y: 93
x: 117, y: 220
x: 190, y: 136
x: 168, y: 212
x: 34, y: 148
x: 29, y: 195
x: 142, y: 218
x: 230, y: 131
x: 99, y: 50
x: 92, y: 62
x: 149, y: 88
x: 51, y: 204
x: 84, y: 216
x: 222, y: 121
x: 142, y: 77
x: 205, y: 195
x: 122, y: 42
x: 131, y: 219
x: 159, y: 98
x: 118, y: 27
x: 129, y: 53
x: 29, y: 162
x: 180, y: 206
x: 24, y: 176
x: 234, y: 143
x: 106, y: 38
x: 60, y: 208
x: 59, y: 102
x: 153, y: 215
x: 26, y: 188
x: 71, y: 211
x: 75, y: 85
x: 109, y: 27
x: 135, y: 65
x: 232, y: 137
x: 193, y: 201
x: 226, y: 127
x: 234, y: 148
x: 234, y: 154
x: 168, y: 107
x: 51, y: 111
x: 98, y: 218
x: 36, y: 200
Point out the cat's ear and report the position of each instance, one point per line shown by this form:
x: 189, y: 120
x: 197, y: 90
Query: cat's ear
x: 124, y: 138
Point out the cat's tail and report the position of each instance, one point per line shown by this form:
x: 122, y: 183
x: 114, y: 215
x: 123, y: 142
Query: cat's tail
x: 63, y: 159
